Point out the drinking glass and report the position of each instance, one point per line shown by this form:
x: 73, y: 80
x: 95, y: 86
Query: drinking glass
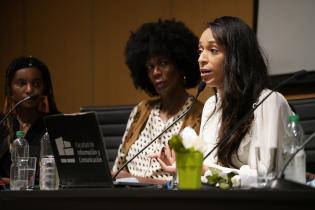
x: 25, y: 173
x: 266, y: 164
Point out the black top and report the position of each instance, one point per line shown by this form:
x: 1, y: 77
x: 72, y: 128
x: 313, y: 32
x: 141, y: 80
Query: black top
x: 33, y: 137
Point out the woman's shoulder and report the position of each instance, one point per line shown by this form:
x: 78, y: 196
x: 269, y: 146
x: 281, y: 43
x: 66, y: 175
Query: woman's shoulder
x: 275, y: 98
x: 148, y: 102
x: 143, y: 108
x: 275, y: 102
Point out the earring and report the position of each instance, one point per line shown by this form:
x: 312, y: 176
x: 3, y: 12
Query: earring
x: 44, y: 105
x: 184, y: 80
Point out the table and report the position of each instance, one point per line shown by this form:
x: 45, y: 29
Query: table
x: 148, y: 199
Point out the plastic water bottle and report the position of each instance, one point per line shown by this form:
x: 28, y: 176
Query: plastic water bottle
x: 18, y: 148
x: 294, y: 138
x: 48, y: 175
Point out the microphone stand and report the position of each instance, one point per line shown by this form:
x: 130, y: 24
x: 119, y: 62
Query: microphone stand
x: 201, y: 87
x: 16, y: 105
x: 279, y: 183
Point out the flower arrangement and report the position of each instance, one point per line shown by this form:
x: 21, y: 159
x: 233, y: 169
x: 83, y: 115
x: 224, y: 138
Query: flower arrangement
x: 189, y: 142
x: 222, y: 179
x: 189, y: 148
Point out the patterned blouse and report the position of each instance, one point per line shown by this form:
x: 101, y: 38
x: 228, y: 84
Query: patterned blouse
x: 143, y: 165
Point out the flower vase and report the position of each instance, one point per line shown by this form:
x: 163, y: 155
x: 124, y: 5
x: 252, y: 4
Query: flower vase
x: 189, y: 165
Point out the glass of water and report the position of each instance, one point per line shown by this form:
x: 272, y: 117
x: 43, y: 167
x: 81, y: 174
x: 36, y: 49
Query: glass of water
x: 266, y: 164
x: 26, y: 171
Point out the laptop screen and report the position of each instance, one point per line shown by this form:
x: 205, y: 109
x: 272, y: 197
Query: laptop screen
x: 79, y: 150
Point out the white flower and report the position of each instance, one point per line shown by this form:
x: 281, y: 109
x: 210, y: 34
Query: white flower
x: 200, y: 144
x: 192, y: 140
x: 189, y: 136
x: 236, y: 181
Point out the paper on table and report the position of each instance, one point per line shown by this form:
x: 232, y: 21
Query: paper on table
x: 128, y: 180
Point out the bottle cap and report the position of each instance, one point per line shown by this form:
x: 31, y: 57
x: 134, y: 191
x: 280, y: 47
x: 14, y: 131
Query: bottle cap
x: 294, y: 118
x: 20, y: 134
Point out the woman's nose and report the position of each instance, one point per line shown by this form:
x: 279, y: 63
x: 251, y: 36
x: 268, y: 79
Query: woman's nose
x: 29, y: 88
x: 156, y: 71
x: 202, y: 59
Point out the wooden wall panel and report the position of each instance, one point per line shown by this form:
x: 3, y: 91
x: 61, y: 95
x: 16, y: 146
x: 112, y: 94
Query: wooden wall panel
x: 82, y: 41
x: 60, y: 34
x: 11, y: 37
x: 113, y: 23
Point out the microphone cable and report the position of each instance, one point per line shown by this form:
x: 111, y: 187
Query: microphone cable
x: 31, y: 97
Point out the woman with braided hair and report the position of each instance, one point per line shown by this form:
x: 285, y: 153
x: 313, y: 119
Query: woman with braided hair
x: 25, y: 76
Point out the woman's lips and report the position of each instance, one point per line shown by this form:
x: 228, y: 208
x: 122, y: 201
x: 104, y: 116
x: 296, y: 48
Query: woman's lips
x: 205, y: 73
x: 160, y: 84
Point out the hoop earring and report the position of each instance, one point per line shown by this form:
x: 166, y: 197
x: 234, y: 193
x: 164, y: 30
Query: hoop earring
x: 44, y: 105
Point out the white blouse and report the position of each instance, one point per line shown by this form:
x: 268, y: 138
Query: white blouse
x: 270, y: 121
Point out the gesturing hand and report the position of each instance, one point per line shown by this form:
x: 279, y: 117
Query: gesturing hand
x: 166, y: 159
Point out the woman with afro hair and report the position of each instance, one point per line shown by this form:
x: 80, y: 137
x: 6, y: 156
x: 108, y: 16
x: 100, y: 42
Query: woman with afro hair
x: 162, y: 58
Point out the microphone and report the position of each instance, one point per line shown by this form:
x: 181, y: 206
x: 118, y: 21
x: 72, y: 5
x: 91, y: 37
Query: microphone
x: 34, y: 96
x: 280, y: 183
x: 201, y: 87
x: 226, y: 137
x: 31, y: 97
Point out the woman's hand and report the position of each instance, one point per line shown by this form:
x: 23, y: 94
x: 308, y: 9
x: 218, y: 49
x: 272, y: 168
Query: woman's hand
x: 166, y: 159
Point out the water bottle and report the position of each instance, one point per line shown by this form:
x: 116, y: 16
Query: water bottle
x: 19, y: 148
x: 48, y: 175
x: 293, y: 139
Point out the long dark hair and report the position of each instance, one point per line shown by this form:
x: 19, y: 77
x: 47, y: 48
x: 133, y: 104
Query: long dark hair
x: 245, y: 76
x: 26, y: 62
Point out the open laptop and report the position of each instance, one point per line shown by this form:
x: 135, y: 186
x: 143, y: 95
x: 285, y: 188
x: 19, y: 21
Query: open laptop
x: 80, y: 153
x: 79, y: 150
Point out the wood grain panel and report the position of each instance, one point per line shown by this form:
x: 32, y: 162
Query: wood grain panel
x: 82, y: 41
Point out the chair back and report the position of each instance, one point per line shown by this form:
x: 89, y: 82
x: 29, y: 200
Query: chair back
x: 112, y: 122
x: 305, y: 108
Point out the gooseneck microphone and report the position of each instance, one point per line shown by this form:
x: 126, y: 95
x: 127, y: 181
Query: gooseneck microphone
x: 255, y: 106
x: 31, y: 97
x: 201, y: 87
x: 280, y: 183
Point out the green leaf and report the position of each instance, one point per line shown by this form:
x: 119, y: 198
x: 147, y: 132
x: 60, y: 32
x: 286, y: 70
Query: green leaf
x: 224, y: 186
x: 176, y: 143
x: 215, y: 171
x: 223, y: 181
x: 213, y: 179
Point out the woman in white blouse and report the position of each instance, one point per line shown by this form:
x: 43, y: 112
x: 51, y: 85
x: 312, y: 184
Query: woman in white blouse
x: 232, y: 63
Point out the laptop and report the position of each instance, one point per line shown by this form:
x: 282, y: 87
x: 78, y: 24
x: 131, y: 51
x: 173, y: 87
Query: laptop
x: 80, y: 153
x: 79, y: 150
